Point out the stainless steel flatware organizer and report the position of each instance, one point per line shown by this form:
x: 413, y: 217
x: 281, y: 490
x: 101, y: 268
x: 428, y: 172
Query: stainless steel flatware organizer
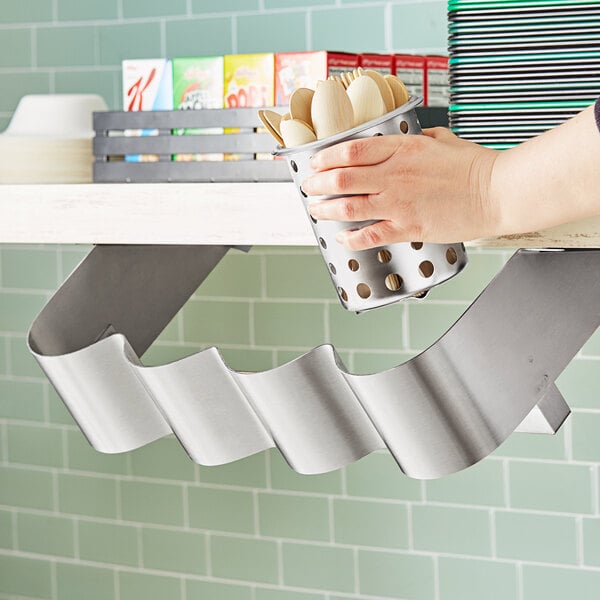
x: 492, y: 373
x: 369, y: 279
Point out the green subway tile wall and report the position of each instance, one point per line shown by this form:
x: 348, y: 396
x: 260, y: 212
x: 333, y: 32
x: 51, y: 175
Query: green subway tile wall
x: 76, y: 524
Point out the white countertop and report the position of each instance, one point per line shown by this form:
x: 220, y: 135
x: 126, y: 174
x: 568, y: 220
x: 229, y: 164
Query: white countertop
x: 194, y: 213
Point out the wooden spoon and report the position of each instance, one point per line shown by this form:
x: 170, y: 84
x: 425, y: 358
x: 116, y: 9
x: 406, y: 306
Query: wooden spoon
x: 339, y: 79
x: 331, y: 109
x: 272, y: 122
x: 384, y: 88
x: 399, y: 90
x: 366, y: 100
x: 300, y: 102
x: 296, y: 132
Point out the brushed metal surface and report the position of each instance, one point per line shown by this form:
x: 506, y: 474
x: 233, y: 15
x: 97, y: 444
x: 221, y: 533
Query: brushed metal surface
x: 492, y: 373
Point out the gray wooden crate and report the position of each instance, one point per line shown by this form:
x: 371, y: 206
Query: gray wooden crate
x: 111, y: 146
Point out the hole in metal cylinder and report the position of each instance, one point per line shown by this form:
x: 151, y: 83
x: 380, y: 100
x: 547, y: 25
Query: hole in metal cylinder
x: 364, y: 291
x: 416, y: 245
x: 384, y: 256
x: 404, y: 127
x: 426, y: 268
x: 294, y: 166
x: 303, y: 192
x: 323, y: 243
x: 342, y: 293
x: 353, y: 264
x: 451, y: 256
x: 332, y: 268
x: 393, y: 282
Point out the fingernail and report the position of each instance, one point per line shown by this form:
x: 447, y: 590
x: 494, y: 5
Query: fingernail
x: 340, y: 237
x: 314, y: 162
x: 315, y: 209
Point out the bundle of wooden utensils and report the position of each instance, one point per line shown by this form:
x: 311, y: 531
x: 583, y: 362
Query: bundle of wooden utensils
x: 338, y: 104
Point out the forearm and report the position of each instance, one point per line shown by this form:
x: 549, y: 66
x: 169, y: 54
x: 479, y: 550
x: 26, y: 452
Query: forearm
x: 551, y: 179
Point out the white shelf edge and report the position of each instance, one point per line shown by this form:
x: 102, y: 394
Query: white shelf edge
x: 195, y: 213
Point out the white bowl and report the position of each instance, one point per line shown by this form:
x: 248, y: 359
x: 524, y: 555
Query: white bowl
x: 64, y: 116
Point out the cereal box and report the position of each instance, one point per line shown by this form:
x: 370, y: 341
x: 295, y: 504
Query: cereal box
x: 147, y: 85
x: 410, y: 69
x: 249, y: 81
x: 382, y: 63
x: 294, y: 70
x: 198, y: 84
x: 437, y: 81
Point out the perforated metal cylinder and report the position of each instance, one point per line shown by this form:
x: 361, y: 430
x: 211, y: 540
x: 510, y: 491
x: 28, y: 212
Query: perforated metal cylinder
x: 372, y: 278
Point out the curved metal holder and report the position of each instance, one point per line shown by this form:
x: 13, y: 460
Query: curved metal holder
x: 440, y: 412
x: 367, y: 279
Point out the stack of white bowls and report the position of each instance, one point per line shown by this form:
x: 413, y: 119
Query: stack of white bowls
x: 49, y: 139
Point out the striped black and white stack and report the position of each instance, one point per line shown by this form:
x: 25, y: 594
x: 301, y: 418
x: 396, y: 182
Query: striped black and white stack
x: 520, y: 67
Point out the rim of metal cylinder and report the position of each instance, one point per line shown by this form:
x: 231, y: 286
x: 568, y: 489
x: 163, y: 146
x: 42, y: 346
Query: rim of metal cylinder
x: 412, y: 103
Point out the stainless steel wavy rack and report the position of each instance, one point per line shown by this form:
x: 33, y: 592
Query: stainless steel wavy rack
x: 492, y: 373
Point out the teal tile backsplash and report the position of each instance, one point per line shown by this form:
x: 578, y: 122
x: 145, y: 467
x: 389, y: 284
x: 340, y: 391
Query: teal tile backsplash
x: 76, y: 524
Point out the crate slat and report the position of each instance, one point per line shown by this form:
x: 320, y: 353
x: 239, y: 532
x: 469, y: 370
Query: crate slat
x: 184, y: 144
x: 186, y: 172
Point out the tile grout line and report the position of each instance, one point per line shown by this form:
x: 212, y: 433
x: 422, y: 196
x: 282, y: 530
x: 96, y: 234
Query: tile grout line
x: 76, y: 548
x: 163, y: 38
x: 4, y: 441
x: 579, y: 540
x: 594, y: 481
x: 116, y: 586
x: 356, y: 563
x: 409, y: 527
x: 506, y: 474
x: 280, y: 577
x: 54, y: 578
x: 331, y: 517
x: 492, y: 524
x: 255, y: 513
x: 139, y: 540
x: 33, y: 47
x: 234, y: 44
x: 436, y: 577
x: 186, y: 504
x: 388, y: 27
x: 207, y: 551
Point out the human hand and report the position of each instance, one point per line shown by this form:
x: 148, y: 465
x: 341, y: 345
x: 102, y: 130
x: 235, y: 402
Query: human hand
x: 428, y: 188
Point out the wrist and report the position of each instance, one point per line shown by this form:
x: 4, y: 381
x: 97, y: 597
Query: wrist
x: 487, y: 199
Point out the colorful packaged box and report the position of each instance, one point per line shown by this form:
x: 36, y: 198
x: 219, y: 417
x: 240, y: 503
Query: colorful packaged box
x: 249, y: 81
x: 294, y: 70
x: 382, y: 63
x: 410, y: 69
x: 147, y: 85
x: 198, y: 84
x: 437, y: 81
